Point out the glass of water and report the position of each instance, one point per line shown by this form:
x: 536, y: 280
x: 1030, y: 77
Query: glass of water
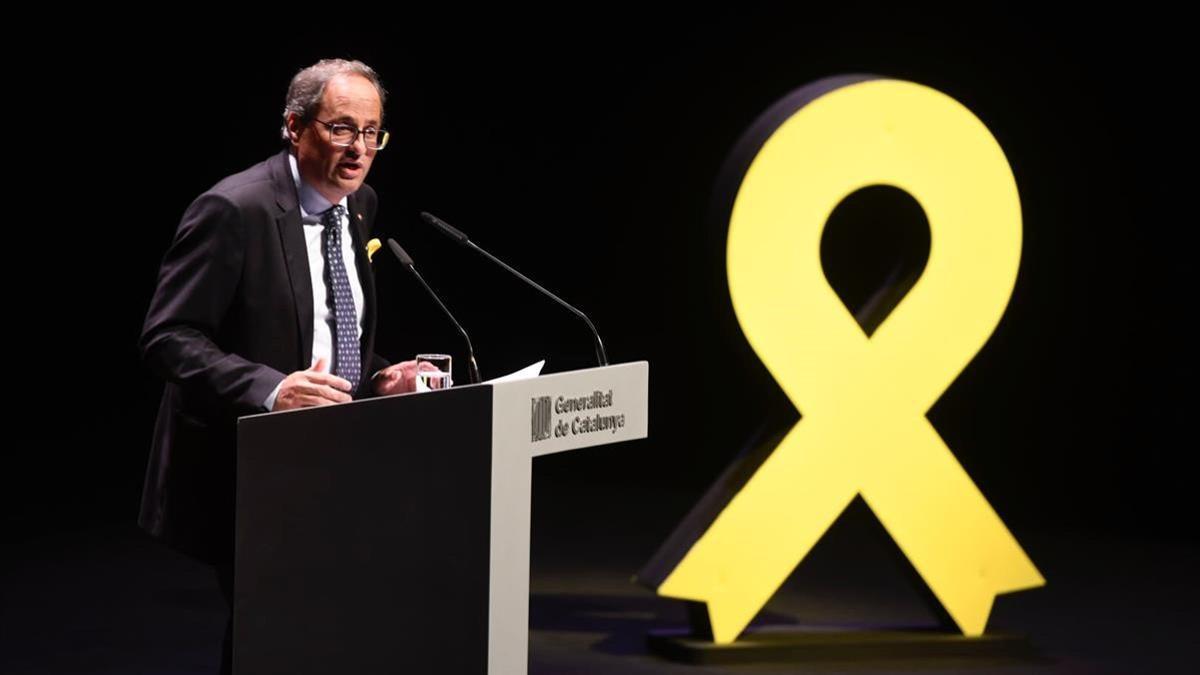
x: 434, y: 379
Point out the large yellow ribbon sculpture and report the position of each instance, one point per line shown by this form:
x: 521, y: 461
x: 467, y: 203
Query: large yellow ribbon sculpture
x: 864, y: 399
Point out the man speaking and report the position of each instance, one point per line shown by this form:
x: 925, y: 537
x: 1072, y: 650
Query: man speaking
x: 265, y: 301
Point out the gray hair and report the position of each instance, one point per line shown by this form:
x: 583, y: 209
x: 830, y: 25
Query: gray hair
x: 308, y: 87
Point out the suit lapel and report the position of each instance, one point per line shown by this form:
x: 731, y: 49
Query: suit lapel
x: 295, y: 253
x: 359, y: 233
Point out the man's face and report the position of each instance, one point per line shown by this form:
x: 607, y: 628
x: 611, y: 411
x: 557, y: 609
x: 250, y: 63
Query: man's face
x: 334, y: 170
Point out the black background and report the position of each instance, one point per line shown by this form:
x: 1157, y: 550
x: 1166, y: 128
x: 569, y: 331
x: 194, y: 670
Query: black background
x: 583, y: 149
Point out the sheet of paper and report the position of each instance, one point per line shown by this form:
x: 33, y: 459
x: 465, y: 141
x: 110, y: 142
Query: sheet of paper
x: 532, y: 370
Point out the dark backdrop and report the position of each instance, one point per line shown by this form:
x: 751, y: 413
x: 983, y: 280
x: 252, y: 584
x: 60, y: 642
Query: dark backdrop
x: 584, y: 149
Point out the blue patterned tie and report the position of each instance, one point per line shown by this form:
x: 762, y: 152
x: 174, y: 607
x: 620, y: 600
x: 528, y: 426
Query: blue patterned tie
x: 347, y: 360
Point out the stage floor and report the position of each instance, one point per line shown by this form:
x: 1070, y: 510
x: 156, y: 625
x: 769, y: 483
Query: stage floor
x: 108, y: 600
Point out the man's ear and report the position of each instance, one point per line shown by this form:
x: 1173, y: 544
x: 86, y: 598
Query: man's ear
x: 295, y: 126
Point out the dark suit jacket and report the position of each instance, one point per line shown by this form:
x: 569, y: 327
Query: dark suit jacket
x: 231, y: 317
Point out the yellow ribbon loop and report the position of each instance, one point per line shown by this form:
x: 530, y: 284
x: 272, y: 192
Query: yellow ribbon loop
x: 864, y: 400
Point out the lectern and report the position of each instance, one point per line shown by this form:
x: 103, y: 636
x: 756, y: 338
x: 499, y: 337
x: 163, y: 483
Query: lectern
x: 391, y: 535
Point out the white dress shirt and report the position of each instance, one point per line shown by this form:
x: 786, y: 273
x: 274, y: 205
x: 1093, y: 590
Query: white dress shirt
x: 312, y: 205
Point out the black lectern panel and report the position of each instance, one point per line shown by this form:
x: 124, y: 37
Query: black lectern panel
x: 362, y: 537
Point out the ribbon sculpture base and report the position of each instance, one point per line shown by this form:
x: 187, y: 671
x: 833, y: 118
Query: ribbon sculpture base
x: 799, y: 644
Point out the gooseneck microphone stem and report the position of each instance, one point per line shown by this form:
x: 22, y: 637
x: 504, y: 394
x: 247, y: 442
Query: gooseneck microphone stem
x: 457, y: 235
x: 406, y: 260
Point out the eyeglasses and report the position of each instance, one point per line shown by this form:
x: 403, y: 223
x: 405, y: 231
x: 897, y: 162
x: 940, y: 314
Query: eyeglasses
x: 346, y: 135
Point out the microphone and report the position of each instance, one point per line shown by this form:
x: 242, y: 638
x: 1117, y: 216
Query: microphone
x: 407, y: 261
x: 460, y: 237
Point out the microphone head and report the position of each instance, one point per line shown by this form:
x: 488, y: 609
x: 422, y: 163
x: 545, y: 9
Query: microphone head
x: 400, y: 253
x: 444, y: 227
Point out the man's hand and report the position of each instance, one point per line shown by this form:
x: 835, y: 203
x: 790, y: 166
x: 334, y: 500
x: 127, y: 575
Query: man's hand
x: 399, y: 378
x: 305, y: 388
